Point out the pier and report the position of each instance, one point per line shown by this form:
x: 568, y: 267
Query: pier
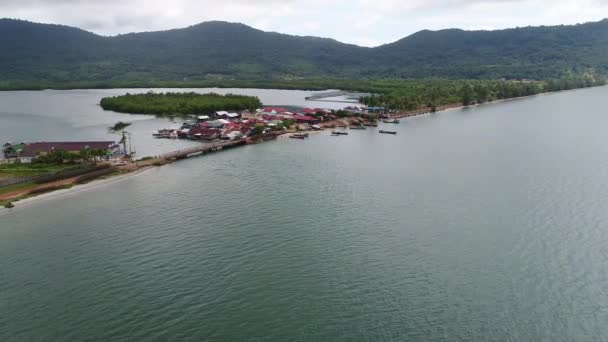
x: 205, y: 148
x: 352, y: 97
x: 198, y: 150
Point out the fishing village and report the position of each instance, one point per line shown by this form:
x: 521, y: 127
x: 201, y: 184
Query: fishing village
x: 34, y: 168
x: 216, y: 122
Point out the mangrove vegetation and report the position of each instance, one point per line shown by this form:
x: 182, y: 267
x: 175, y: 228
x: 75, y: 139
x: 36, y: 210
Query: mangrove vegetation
x: 413, y: 95
x: 178, y: 103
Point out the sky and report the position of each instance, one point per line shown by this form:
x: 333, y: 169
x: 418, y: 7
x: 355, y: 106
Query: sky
x: 361, y: 22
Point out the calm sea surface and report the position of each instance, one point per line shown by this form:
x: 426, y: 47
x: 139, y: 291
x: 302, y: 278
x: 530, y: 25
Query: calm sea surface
x: 481, y: 224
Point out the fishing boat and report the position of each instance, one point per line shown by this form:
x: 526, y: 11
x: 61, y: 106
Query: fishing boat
x: 339, y: 133
x: 371, y: 124
x: 358, y: 127
x: 297, y: 137
x: 165, y: 134
x: 388, y: 132
x: 183, y: 134
x: 394, y: 121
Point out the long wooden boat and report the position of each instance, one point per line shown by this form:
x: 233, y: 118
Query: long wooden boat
x: 339, y: 133
x: 394, y: 121
x: 358, y: 127
x: 388, y: 132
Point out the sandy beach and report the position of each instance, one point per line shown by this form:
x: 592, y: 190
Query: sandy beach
x: 95, y: 184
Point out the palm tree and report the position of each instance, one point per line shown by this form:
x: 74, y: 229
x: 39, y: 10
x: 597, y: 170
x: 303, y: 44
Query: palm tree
x: 119, y: 128
x: 85, y: 154
x: 98, y: 154
x: 58, y: 156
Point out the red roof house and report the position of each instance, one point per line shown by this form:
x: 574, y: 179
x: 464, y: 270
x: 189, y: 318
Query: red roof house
x: 313, y: 111
x: 274, y: 110
x: 39, y: 148
x: 305, y: 119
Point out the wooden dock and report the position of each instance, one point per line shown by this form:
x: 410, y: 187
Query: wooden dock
x: 352, y: 96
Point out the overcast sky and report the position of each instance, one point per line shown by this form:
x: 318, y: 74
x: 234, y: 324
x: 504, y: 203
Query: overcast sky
x: 363, y: 22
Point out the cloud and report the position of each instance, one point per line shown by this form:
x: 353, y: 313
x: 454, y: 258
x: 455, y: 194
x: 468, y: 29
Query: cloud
x: 366, y: 22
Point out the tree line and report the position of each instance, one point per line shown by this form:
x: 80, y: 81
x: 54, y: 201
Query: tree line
x: 178, y: 103
x: 434, y: 93
x: 59, y: 157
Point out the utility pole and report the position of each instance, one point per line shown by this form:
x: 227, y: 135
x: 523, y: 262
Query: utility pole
x: 130, y: 146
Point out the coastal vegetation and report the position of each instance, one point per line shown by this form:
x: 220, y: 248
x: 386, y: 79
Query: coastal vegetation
x: 9, y: 202
x: 60, y: 178
x: 16, y: 187
x: 61, y: 157
x: 25, y: 170
x: 434, y: 93
x: 409, y: 92
x: 178, y: 103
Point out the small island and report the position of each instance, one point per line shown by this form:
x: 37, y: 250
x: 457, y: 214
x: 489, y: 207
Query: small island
x: 178, y: 103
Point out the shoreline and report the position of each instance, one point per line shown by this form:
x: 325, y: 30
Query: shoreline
x: 138, y: 167
x: 302, y: 84
x: 69, y: 185
x: 77, y: 188
x: 455, y: 106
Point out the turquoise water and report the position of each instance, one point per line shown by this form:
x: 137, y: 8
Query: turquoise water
x: 487, y: 223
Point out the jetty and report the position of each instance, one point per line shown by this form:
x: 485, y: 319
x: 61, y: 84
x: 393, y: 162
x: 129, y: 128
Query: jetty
x: 351, y: 96
x: 205, y: 148
x: 199, y: 150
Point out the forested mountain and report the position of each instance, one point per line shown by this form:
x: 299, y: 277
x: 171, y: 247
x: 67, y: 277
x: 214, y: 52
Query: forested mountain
x: 530, y: 52
x: 52, y: 53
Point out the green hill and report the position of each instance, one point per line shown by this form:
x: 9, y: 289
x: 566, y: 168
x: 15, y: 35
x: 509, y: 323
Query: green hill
x: 45, y: 53
x: 528, y: 53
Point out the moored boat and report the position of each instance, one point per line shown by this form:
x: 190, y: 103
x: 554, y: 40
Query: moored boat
x: 393, y: 121
x: 165, y: 134
x: 339, y: 133
x: 358, y: 127
x: 388, y: 132
x: 183, y: 134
